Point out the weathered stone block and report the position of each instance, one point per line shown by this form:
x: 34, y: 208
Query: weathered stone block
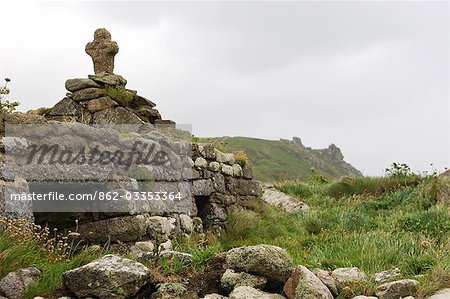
x: 202, y: 187
x: 66, y: 107
x: 88, y: 94
x: 77, y: 84
x: 99, y: 104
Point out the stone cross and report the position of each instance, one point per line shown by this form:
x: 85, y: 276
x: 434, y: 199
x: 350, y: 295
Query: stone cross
x: 102, y: 50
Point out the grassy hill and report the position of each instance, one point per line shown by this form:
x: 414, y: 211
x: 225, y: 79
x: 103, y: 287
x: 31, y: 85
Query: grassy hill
x: 289, y: 159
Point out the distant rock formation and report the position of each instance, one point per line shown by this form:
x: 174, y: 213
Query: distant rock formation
x: 332, y: 152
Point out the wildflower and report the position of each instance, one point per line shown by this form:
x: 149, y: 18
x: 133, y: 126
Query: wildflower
x: 73, y: 235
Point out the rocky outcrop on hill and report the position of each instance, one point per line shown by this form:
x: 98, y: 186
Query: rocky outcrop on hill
x: 275, y: 160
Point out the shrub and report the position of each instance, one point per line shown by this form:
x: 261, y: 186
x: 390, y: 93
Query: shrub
x: 120, y: 94
x: 398, y: 170
x: 6, y: 106
x: 56, y: 246
x: 241, y: 158
x: 318, y: 179
x: 25, y: 245
x: 371, y: 185
x: 431, y: 191
x: 418, y: 264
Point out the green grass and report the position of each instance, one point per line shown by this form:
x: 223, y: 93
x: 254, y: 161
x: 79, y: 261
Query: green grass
x: 15, y: 255
x: 370, y: 185
x: 120, y: 94
x: 375, y: 231
x: 377, y: 224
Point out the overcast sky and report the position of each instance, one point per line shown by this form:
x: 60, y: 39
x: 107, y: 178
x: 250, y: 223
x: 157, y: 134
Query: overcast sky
x: 371, y: 77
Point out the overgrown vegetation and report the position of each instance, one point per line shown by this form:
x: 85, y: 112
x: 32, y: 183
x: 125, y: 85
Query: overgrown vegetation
x: 217, y: 143
x: 6, y: 106
x: 377, y: 224
x: 120, y: 94
x: 241, y: 158
x: 26, y: 245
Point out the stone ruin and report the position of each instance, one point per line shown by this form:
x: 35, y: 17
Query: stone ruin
x: 218, y: 182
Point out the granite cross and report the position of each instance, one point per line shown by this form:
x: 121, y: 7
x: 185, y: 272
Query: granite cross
x: 102, y: 50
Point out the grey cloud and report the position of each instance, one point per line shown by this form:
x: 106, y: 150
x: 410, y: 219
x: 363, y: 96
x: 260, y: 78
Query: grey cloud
x: 371, y: 77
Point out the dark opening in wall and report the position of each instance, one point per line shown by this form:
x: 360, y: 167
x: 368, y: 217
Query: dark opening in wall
x: 63, y: 214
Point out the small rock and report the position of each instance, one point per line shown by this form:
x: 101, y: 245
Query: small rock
x: 15, y: 283
x: 271, y: 262
x: 386, y: 275
x: 66, y: 107
x: 214, y: 296
x: 125, y: 229
x: 205, y: 150
x: 227, y: 169
x: 141, y: 102
x: 173, y: 291
x: 304, y: 284
x: 231, y: 279
x: 77, y: 84
x: 214, y: 166
x: 149, y: 113
x: 345, y: 275
x: 278, y: 199
x: 165, y: 246
x: 252, y: 293
x: 327, y: 280
x: 200, y: 162
x: 99, y: 104
x: 88, y: 94
x: 202, y: 187
x: 110, y: 277
x: 442, y: 294
x: 160, y: 228
x: 186, y: 223
x: 116, y: 115
x: 39, y: 111
x: 185, y: 258
x: 198, y: 225
x: 146, y: 246
x: 397, y: 289
x: 247, y: 171
x: 109, y: 79
x: 237, y: 170
x: 227, y: 158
